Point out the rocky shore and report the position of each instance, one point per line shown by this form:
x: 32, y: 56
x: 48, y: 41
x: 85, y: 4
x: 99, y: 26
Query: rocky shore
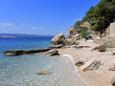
x: 94, y: 57
x: 96, y: 68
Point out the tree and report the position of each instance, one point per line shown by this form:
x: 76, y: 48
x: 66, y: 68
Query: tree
x: 100, y: 16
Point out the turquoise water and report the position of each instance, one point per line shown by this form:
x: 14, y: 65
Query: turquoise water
x: 22, y: 43
x: 23, y: 70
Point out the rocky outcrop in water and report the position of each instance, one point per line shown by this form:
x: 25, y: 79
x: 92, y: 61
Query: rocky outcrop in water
x: 23, y: 52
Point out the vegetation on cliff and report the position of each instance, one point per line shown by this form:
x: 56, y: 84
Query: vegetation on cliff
x: 99, y: 16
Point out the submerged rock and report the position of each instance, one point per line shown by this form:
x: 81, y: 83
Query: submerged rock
x: 52, y: 53
x: 23, y: 52
x: 44, y: 72
x: 58, y: 39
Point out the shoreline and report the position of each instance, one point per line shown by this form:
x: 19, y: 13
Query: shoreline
x: 99, y: 77
x: 71, y: 59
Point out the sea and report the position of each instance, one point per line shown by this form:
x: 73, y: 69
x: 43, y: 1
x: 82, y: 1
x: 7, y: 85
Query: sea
x: 25, y: 70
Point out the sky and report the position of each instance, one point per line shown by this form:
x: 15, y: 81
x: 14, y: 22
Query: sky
x: 42, y: 17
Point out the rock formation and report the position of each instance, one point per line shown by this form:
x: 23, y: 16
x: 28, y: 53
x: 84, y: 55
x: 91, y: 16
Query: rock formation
x: 58, y: 39
x: 112, y: 68
x: 73, y: 36
x: 23, y: 52
x: 91, y: 65
x: 109, y: 39
x: 52, y: 53
x: 100, y: 48
x: 72, y: 32
x: 79, y: 63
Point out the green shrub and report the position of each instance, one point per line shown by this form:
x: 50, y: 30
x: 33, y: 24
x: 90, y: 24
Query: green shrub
x: 85, y: 33
x: 100, y: 16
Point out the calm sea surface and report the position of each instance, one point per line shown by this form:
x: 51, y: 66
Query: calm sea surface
x: 23, y: 70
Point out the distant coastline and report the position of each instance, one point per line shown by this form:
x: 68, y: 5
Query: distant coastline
x: 9, y: 35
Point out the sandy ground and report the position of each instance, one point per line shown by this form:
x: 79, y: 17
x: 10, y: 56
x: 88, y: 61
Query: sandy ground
x: 100, y: 77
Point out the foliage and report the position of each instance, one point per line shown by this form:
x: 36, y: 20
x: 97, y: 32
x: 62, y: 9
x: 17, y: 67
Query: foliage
x: 84, y: 33
x: 100, y: 16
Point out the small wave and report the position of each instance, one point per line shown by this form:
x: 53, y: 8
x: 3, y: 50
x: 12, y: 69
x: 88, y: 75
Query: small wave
x: 71, y: 59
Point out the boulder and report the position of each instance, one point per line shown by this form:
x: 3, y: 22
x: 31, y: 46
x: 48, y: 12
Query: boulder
x: 73, y: 36
x: 109, y: 38
x: 108, y: 41
x: 58, y: 39
x: 112, y: 68
x: 71, y: 41
x: 72, y: 32
x: 95, y: 48
x: 100, y: 48
x: 111, y: 29
x: 79, y: 63
x: 52, y: 53
x: 91, y: 65
x: 113, y: 81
